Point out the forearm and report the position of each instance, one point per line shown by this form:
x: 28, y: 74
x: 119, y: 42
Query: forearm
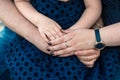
x: 90, y: 16
x: 28, y: 11
x: 110, y: 34
x: 16, y: 22
x: 12, y: 18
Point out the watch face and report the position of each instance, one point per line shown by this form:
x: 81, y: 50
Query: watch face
x: 100, y: 46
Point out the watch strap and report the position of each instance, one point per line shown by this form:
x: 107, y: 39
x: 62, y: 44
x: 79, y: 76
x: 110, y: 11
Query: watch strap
x: 97, y: 35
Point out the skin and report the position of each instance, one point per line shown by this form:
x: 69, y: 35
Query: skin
x: 20, y: 25
x: 49, y: 29
x: 86, y: 41
x: 46, y: 26
x: 109, y: 34
x: 75, y: 42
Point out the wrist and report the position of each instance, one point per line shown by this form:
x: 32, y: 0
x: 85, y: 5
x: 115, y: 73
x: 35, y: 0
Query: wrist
x: 92, y: 39
x: 74, y: 27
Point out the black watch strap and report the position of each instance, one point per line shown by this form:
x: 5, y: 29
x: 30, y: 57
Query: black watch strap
x: 97, y: 35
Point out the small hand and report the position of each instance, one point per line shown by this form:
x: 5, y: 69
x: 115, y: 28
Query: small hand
x: 88, y: 57
x: 49, y: 29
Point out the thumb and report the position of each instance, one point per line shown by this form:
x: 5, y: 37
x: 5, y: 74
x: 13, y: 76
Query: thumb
x: 67, y: 31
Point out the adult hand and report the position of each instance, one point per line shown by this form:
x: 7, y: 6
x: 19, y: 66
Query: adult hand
x: 20, y: 25
x: 36, y: 40
x: 72, y: 41
x: 88, y: 57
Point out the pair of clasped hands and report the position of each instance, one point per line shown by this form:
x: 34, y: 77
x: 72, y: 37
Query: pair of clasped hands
x: 73, y: 41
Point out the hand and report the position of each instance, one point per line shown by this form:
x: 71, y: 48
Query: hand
x: 36, y: 39
x: 49, y: 29
x: 88, y: 57
x: 72, y: 41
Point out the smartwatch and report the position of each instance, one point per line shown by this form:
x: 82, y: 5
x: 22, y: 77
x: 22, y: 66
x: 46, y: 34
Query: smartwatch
x: 99, y: 43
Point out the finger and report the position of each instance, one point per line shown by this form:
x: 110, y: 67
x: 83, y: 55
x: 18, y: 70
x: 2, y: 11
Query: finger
x: 43, y: 36
x: 89, y: 58
x: 50, y: 36
x: 67, y: 55
x: 54, y: 34
x: 58, y: 26
x: 63, y: 51
x: 67, y: 31
x: 60, y: 46
x: 86, y: 52
x: 58, y: 32
x: 57, y: 47
x: 61, y: 39
x: 89, y: 63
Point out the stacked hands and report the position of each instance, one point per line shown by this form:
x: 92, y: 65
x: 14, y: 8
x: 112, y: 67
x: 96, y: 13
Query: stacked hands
x: 57, y: 42
x: 73, y: 41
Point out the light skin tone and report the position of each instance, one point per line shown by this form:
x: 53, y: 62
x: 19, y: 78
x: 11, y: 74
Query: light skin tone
x: 10, y: 16
x: 49, y: 29
x: 46, y: 26
x: 20, y: 25
x: 109, y: 34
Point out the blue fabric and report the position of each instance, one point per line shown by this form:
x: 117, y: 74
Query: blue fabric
x: 26, y: 62
x: 3, y: 66
x: 111, y: 11
x: 5, y: 75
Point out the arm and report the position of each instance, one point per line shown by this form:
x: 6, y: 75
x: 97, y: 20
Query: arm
x: 88, y: 57
x: 90, y: 15
x: 25, y: 7
x: 85, y: 39
x: 16, y: 22
x: 110, y: 34
x: 46, y: 26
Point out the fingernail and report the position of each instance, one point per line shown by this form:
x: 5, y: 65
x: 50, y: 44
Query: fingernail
x: 49, y: 43
x: 48, y: 50
x: 51, y: 53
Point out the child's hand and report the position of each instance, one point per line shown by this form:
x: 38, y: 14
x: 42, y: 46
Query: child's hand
x: 49, y: 29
